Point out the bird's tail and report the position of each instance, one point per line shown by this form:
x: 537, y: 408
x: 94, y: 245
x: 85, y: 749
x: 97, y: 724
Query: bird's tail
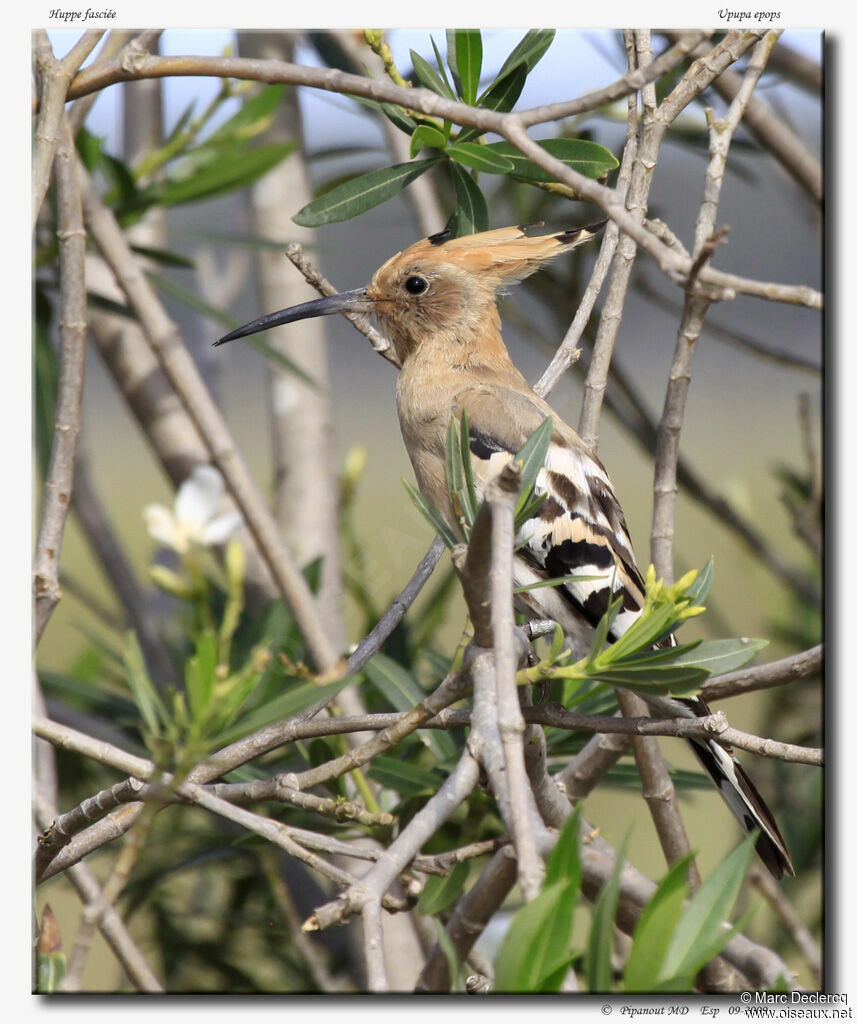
x: 741, y: 796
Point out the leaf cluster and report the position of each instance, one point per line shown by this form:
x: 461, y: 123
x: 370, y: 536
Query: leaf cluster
x: 675, y: 935
x: 460, y: 154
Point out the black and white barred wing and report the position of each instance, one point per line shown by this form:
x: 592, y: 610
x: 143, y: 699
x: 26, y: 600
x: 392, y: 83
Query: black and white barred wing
x: 580, y: 532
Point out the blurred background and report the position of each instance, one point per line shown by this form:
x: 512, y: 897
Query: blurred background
x: 742, y: 433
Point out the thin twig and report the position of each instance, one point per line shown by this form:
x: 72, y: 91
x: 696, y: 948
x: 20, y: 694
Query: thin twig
x: 804, y: 665
x: 633, y: 184
x: 55, y: 76
x: 455, y: 789
x: 773, y: 133
x: 373, y: 947
x: 696, y: 305
x: 110, y: 924
x: 360, y: 321
x: 784, y: 910
x: 60, y: 475
x: 501, y: 496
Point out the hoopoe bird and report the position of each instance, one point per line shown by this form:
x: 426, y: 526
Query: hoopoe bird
x: 436, y: 303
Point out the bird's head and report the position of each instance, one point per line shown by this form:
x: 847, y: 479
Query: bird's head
x: 440, y: 288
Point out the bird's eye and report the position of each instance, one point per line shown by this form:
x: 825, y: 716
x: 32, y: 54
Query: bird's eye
x: 416, y: 285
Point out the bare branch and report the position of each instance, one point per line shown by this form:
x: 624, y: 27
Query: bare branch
x: 60, y: 474
x: 773, y: 133
x: 373, y: 947
x: 501, y: 497
x: 111, y: 925
x: 696, y: 306
x: 788, y: 915
x: 804, y: 665
x: 456, y: 788
x: 55, y: 76
x: 360, y: 321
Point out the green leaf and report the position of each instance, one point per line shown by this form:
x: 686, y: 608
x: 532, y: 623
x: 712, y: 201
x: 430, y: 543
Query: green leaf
x: 429, y: 136
x: 402, y: 776
x: 392, y: 111
x: 537, y: 945
x: 438, y: 524
x: 146, y: 697
x: 199, y: 674
x: 471, y: 211
x: 394, y: 682
x: 464, y: 55
x: 51, y: 971
x: 503, y: 93
x: 698, y: 590
x: 472, y: 499
x: 170, y: 259
x: 440, y: 891
x: 701, y: 934
x: 642, y: 633
x: 252, y: 119
x: 403, y: 692
x: 532, y: 456
x: 655, y: 928
x: 439, y: 60
x: 230, y: 169
x: 456, y: 474
x: 480, y: 158
x: 529, y: 50
x: 599, y: 971
x: 564, y: 864
x: 669, y: 679
x: 719, y: 656
x: 296, y: 699
x: 557, y: 581
x: 89, y: 148
x: 360, y: 194
x: 581, y: 155
x: 429, y: 77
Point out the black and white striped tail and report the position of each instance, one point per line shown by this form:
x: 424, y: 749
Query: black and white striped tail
x: 741, y: 796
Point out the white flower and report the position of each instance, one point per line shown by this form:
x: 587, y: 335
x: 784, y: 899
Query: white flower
x: 194, y: 520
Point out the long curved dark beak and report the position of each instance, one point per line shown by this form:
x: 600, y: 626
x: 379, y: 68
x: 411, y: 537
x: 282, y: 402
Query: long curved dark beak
x: 356, y: 301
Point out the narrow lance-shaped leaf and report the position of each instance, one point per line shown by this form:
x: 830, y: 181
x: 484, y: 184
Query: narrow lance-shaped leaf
x: 440, y: 891
x: 439, y: 60
x: 480, y: 158
x: 583, y: 156
x: 655, y: 929
x: 438, y: 523
x: 464, y: 54
x: 230, y: 169
x: 599, y: 971
x: 360, y: 194
x: 471, y: 211
x: 532, y: 456
x: 429, y: 77
x: 403, y: 776
x: 252, y: 119
x: 464, y: 441
x: 529, y: 50
x: 700, y: 934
